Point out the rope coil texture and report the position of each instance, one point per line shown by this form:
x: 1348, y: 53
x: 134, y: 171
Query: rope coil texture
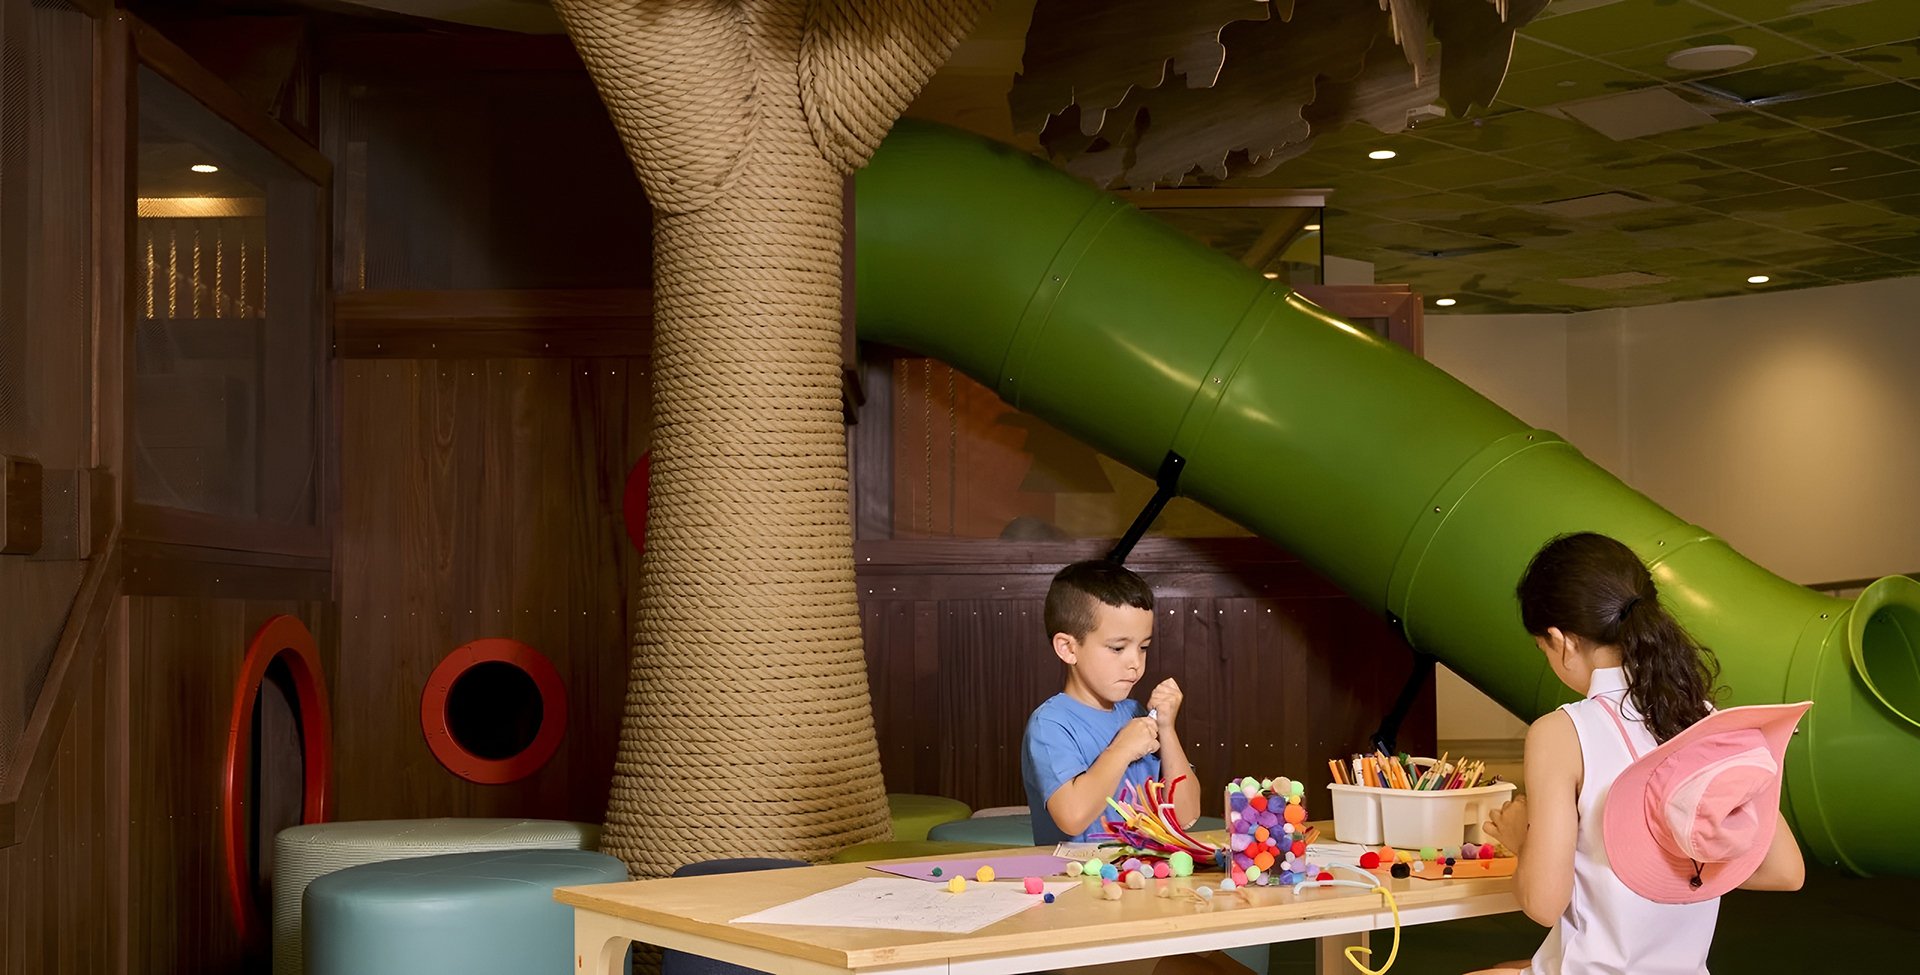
x: 748, y: 679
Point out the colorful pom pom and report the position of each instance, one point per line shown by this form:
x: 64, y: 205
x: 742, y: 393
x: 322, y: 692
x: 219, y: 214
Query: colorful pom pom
x: 957, y: 884
x: 984, y: 875
x: 1035, y: 885
x: 1181, y: 863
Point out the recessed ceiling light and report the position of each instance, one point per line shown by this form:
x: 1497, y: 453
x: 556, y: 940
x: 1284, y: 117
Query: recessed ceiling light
x: 1311, y: 226
x: 1712, y: 57
x: 1271, y: 275
x: 204, y: 168
x: 1382, y: 154
x: 1758, y: 279
x: 1836, y: 169
x: 1444, y: 302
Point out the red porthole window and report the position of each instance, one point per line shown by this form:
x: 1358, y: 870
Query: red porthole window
x: 278, y: 733
x: 494, y: 711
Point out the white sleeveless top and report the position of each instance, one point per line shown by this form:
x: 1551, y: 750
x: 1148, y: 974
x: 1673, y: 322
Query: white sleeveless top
x: 1608, y: 929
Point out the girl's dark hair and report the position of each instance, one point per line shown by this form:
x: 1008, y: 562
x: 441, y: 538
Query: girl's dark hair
x: 1593, y: 586
x: 1079, y: 587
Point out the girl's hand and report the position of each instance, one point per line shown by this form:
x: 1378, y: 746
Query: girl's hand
x: 1508, y: 824
x: 1165, y: 702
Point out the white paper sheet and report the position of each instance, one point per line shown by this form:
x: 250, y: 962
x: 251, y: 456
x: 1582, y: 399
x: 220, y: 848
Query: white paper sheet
x: 1079, y: 851
x: 907, y: 905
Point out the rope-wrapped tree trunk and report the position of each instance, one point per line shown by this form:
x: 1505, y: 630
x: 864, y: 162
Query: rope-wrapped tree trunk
x: 748, y: 727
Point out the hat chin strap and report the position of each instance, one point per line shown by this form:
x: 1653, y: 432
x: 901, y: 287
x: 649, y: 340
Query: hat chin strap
x: 1694, y: 881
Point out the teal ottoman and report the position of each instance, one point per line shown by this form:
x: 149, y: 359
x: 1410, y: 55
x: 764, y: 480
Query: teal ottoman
x: 456, y: 914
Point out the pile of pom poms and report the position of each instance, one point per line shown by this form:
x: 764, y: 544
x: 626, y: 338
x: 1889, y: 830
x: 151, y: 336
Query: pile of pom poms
x: 1267, y: 836
x: 1402, y: 864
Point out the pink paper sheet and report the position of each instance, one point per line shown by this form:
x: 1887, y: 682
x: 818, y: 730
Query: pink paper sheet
x: 1004, y: 868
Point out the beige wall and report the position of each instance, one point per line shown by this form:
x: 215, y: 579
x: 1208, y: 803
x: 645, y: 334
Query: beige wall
x: 1787, y: 422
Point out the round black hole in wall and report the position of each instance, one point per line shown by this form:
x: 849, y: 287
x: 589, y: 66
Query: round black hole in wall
x: 494, y: 710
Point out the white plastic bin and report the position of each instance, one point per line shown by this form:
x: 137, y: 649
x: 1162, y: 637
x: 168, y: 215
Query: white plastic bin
x: 1408, y: 820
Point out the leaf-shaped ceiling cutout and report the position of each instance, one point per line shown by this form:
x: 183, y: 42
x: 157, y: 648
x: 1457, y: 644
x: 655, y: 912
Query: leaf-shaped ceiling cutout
x: 1093, y: 56
x: 1314, y: 66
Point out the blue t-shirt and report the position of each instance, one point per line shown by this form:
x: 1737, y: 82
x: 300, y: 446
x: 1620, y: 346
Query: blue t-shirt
x: 1063, y: 739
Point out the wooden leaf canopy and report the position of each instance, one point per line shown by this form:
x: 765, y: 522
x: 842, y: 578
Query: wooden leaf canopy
x: 1145, y: 93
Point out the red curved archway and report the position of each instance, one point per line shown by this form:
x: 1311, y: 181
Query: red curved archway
x: 436, y: 725
x: 281, y: 638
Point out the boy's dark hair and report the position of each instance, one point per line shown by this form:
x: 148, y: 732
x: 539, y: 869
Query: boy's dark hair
x: 1078, y: 587
x: 1593, y: 586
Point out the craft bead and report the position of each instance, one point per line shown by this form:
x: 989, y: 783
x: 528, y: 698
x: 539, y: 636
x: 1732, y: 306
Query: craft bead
x: 1048, y: 898
x: 1035, y: 885
x: 984, y: 875
x: 957, y: 884
x: 936, y: 871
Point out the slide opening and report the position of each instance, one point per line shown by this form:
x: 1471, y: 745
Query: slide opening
x: 1884, y: 639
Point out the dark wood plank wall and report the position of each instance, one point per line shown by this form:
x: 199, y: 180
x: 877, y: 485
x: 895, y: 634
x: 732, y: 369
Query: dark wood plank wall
x: 1281, y: 671
x: 481, y: 498
x: 62, y: 885
x: 185, y: 658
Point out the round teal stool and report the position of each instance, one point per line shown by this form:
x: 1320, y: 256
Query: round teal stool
x: 913, y: 815
x: 457, y: 914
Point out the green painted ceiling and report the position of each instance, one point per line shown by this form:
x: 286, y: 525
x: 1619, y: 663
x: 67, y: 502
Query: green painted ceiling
x: 1809, y: 172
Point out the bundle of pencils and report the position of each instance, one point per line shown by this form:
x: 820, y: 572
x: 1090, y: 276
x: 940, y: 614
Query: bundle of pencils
x: 1383, y: 771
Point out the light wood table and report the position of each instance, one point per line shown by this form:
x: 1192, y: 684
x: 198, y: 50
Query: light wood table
x: 694, y: 914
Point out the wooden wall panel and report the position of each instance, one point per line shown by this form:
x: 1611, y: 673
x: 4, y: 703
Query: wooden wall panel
x: 1280, y: 670
x: 481, y: 498
x: 186, y: 654
x: 59, y: 912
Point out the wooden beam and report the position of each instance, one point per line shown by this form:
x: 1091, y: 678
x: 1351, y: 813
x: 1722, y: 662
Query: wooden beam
x: 584, y: 323
x: 177, y: 66
x: 67, y: 675
x: 443, y: 53
x: 1226, y: 196
x: 165, y: 569
x: 148, y: 523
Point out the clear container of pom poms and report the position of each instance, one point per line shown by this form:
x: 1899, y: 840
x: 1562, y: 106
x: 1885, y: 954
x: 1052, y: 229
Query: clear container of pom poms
x: 1267, y: 833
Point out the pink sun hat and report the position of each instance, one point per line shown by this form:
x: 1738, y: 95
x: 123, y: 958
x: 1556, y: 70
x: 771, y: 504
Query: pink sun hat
x: 1693, y: 818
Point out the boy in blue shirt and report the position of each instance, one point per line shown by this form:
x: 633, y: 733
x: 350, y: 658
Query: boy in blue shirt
x: 1084, y: 742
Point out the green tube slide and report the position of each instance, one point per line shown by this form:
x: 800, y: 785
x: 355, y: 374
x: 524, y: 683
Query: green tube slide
x: 1408, y: 489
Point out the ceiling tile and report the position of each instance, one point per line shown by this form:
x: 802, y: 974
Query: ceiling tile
x: 1739, y: 125
x: 1504, y: 223
x: 1457, y: 171
x: 1900, y: 59
x: 1757, y: 11
x: 1530, y: 53
x: 1425, y: 207
x: 1715, y: 186
x: 1834, y: 169
x: 1512, y: 129
x: 1817, y: 75
x: 1852, y: 27
x: 1540, y: 187
x: 1570, y: 81
x: 1672, y: 167
x: 1858, y: 268
x: 1903, y: 247
x: 1886, y: 133
x: 1625, y: 26
x: 1825, y: 111
x: 1799, y: 146
x: 1752, y: 207
x: 1769, y: 48
x: 1909, y: 205
x: 1876, y: 187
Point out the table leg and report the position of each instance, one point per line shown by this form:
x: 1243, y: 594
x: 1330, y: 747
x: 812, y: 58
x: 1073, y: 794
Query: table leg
x: 598, y: 946
x: 1330, y: 952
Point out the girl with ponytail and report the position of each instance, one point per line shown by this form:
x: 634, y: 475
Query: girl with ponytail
x: 1594, y: 611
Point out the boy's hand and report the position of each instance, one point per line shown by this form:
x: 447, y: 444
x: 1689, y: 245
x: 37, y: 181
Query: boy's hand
x: 1508, y: 824
x: 1165, y: 703
x: 1137, y: 739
